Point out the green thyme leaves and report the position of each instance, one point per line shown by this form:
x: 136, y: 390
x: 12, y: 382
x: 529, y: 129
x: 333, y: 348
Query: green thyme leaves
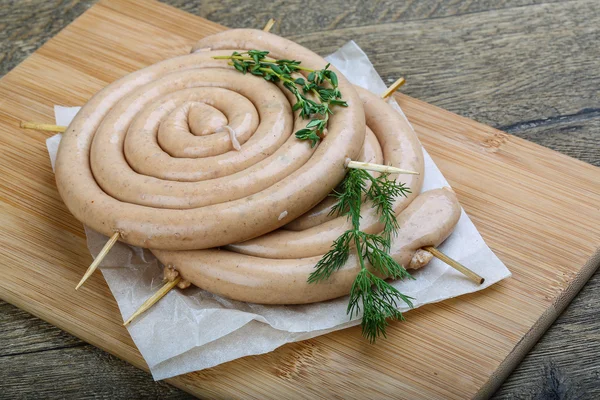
x: 315, y: 94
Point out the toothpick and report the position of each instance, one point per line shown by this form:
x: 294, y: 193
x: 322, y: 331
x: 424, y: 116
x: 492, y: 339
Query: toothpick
x: 269, y: 25
x: 394, y: 86
x: 455, y: 264
x: 43, y: 127
x: 378, y: 168
x: 153, y: 299
x: 111, y: 242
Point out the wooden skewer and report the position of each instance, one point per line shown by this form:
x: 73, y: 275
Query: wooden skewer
x: 378, y: 168
x: 43, y: 127
x: 111, y: 242
x: 269, y: 25
x: 153, y: 299
x: 393, y: 87
x: 455, y: 264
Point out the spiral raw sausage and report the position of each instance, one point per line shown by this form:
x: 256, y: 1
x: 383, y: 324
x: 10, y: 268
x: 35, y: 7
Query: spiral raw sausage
x: 188, y: 154
x: 129, y: 164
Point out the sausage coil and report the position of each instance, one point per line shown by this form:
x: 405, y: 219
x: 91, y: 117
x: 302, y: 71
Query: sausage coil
x: 153, y: 155
x: 198, y: 162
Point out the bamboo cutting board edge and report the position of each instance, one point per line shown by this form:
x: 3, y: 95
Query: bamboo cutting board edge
x: 539, y: 328
x: 190, y: 382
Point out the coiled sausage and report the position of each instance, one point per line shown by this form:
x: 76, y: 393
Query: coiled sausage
x: 114, y: 175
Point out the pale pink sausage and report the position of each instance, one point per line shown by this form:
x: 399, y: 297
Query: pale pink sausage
x: 137, y: 117
x: 153, y: 219
x: 206, y: 120
x: 427, y: 221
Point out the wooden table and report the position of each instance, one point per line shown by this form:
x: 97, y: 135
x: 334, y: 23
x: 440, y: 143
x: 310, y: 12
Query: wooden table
x: 532, y: 70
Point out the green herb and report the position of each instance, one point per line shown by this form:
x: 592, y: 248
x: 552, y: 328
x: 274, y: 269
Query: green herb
x: 257, y: 63
x: 376, y: 297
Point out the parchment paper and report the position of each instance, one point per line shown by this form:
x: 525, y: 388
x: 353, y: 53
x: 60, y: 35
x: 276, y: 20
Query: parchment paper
x: 192, y: 329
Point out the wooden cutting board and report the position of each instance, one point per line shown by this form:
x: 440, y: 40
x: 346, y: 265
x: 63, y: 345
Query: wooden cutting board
x: 537, y: 209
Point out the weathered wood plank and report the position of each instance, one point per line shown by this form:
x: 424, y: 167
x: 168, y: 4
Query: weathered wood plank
x: 295, y: 17
x: 84, y: 372
x: 566, y: 360
x: 578, y: 136
x: 30, y: 23
x: 27, y: 24
x: 22, y: 333
x: 499, y: 68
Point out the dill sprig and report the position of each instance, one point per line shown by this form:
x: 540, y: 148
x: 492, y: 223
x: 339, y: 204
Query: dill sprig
x: 378, y: 300
x: 257, y: 63
x: 349, y: 199
x: 382, y: 193
x: 334, y: 259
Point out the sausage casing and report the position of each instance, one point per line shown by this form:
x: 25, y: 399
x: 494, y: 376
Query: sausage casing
x: 427, y: 221
x: 156, y: 200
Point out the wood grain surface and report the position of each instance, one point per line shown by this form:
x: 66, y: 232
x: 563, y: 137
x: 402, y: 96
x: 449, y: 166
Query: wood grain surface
x: 530, y: 69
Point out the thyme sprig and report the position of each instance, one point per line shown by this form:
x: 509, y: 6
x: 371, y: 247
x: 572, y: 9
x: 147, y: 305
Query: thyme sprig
x: 257, y: 63
x: 378, y: 299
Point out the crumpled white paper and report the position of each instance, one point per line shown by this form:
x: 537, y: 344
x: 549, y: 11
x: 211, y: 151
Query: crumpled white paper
x: 193, y: 329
